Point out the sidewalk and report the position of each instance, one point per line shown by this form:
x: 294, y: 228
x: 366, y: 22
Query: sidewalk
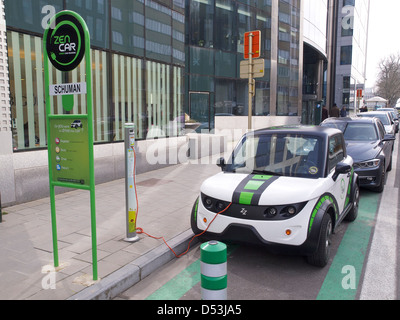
x: 166, y: 197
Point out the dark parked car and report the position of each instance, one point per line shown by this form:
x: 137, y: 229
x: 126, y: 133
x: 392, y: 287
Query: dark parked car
x: 369, y: 145
x: 394, y: 115
x: 384, y: 116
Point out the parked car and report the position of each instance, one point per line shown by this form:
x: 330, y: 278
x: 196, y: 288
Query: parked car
x: 369, y: 146
x: 287, y: 188
x: 76, y: 124
x: 394, y: 115
x: 388, y: 123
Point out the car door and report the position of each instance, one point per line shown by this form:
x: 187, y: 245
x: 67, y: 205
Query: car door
x: 337, y: 154
x: 387, y: 146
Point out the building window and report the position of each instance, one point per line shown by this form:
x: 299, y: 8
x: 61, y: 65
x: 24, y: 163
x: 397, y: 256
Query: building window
x: 346, y: 55
x: 288, y: 59
x: 126, y: 86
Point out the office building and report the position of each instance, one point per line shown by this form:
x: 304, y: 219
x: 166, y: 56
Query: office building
x: 155, y: 63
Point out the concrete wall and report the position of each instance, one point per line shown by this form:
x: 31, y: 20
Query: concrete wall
x: 236, y: 127
x: 27, y: 178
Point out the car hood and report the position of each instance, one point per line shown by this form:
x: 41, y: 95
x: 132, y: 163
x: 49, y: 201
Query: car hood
x: 276, y: 191
x: 363, y: 150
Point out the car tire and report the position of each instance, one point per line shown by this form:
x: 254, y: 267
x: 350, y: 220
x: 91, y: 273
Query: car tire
x: 321, y: 257
x: 381, y: 186
x: 193, y: 220
x: 390, y: 164
x: 353, y: 213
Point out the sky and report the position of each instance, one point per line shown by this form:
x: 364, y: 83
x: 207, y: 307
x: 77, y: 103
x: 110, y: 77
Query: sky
x: 384, y: 35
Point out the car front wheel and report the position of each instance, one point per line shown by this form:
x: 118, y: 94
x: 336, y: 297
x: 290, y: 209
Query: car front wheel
x: 381, y: 186
x: 321, y: 257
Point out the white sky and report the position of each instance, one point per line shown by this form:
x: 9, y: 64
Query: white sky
x: 384, y: 35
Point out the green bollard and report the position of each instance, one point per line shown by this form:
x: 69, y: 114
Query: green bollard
x: 214, y: 279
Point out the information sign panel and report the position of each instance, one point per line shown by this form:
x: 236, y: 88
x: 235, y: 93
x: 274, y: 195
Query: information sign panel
x: 258, y: 68
x: 69, y: 150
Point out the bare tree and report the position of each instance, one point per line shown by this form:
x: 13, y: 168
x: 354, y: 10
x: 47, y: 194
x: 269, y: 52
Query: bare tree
x: 388, y: 83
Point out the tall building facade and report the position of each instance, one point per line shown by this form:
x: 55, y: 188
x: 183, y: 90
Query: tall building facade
x: 315, y: 58
x: 351, y: 56
x: 153, y: 61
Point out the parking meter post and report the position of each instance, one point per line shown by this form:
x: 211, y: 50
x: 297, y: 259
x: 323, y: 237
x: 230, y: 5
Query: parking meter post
x: 130, y: 185
x: 214, y: 279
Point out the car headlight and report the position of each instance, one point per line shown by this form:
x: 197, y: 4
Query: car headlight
x: 368, y: 164
x: 262, y: 213
x: 212, y: 204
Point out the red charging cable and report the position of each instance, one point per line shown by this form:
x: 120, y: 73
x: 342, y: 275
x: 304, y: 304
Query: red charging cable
x: 141, y: 231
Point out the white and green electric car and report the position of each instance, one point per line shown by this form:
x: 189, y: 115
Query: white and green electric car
x: 287, y: 188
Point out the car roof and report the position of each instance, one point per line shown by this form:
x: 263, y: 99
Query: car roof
x: 373, y: 112
x: 301, y: 129
x: 352, y: 119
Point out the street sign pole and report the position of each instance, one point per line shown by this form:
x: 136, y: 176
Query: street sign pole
x: 250, y: 81
x: 252, y: 51
x: 66, y: 43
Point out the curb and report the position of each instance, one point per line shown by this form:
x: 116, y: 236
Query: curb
x: 122, y: 279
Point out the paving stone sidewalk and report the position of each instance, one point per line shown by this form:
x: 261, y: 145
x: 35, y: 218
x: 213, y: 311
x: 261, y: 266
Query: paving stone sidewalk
x: 166, y: 197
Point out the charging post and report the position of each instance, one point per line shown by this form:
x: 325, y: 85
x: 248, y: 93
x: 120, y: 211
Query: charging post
x: 130, y: 185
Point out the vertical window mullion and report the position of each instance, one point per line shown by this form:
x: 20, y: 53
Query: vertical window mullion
x: 18, y: 90
x: 40, y: 92
x: 116, y: 100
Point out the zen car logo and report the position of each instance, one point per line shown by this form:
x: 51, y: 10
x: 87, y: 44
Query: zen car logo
x: 243, y: 212
x: 65, y: 43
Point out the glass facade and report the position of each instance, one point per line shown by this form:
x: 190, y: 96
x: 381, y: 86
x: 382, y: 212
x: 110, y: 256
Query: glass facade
x: 153, y: 61
x: 137, y: 68
x: 215, y: 41
x: 288, y: 57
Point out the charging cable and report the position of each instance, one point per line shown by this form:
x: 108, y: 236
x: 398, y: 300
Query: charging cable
x: 141, y: 231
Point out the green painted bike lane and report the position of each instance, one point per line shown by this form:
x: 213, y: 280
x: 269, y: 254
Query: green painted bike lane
x: 350, y: 257
x: 351, y: 252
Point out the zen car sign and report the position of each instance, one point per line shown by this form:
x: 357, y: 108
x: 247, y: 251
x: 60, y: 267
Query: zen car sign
x: 65, y: 43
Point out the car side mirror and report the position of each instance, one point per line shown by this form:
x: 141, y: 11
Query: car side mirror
x: 341, y: 168
x: 389, y: 137
x: 221, y: 163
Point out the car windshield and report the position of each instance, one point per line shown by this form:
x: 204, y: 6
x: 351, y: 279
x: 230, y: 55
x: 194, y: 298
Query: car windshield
x: 279, y: 154
x: 381, y: 116
x: 360, y: 132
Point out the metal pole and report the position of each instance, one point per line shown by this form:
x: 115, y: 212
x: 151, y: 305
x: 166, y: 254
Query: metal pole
x: 1, y: 215
x: 250, y: 80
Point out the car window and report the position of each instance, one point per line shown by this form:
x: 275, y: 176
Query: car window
x: 360, y: 132
x: 280, y: 154
x: 336, y: 151
x: 383, y: 117
x: 381, y: 129
x: 246, y: 150
x: 335, y: 125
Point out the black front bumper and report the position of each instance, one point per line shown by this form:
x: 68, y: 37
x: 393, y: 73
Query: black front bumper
x: 369, y: 177
x: 244, y: 234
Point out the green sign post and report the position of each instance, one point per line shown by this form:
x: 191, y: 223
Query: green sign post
x: 66, y: 44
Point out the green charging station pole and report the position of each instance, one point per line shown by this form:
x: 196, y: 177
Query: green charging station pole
x: 66, y: 44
